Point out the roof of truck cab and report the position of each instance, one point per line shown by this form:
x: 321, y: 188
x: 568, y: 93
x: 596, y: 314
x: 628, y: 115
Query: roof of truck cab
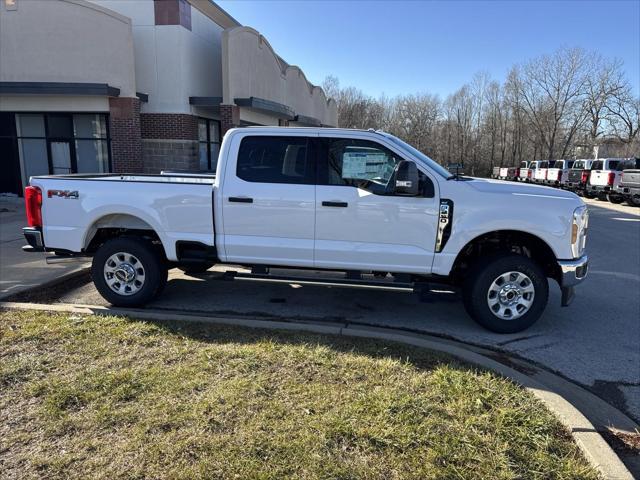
x: 308, y: 129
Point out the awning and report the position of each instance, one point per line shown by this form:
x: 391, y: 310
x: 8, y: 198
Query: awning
x: 58, y: 88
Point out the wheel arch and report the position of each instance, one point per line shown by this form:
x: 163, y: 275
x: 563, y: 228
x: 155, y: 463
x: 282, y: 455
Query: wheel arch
x: 114, y: 225
x: 507, y: 241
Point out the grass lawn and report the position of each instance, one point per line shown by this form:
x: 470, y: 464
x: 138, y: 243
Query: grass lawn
x: 95, y: 397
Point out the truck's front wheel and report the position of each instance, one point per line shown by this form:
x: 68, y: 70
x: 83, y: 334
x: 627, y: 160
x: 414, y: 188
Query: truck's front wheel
x: 505, y: 293
x: 128, y: 272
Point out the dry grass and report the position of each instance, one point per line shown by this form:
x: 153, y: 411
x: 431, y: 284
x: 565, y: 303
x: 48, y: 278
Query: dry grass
x: 94, y: 397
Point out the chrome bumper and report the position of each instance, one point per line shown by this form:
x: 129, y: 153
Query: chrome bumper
x: 33, y: 236
x: 573, y: 271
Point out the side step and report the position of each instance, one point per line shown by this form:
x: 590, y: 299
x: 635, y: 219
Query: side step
x: 327, y: 282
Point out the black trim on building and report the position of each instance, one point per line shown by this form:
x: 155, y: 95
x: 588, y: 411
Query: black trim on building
x: 143, y: 97
x: 308, y: 121
x: 59, y: 88
x: 267, y: 106
x: 205, y: 101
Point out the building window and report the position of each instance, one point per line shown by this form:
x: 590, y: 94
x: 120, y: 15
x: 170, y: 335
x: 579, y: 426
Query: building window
x: 62, y: 143
x: 209, y: 143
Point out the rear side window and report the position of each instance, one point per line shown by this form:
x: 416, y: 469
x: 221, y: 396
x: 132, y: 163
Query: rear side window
x: 276, y: 160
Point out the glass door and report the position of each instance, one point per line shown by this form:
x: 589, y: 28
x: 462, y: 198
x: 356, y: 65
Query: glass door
x: 61, y: 157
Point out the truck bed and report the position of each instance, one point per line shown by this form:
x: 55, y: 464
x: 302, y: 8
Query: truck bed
x: 178, y: 208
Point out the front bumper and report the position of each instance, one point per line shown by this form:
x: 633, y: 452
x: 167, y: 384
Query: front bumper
x: 572, y: 272
x: 628, y: 191
x: 33, y: 235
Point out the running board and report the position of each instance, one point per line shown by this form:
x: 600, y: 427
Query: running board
x: 326, y: 282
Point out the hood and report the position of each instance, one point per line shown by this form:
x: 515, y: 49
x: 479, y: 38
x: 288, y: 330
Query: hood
x: 487, y: 185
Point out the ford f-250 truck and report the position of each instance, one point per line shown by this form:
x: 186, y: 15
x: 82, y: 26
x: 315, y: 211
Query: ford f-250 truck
x: 358, y: 202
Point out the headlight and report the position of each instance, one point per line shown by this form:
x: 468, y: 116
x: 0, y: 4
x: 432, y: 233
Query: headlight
x: 579, y: 229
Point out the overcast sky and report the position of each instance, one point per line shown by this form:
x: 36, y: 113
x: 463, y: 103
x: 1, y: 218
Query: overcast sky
x: 436, y: 46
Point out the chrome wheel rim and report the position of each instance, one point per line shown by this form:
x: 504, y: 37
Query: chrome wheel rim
x: 124, y: 273
x: 511, y: 295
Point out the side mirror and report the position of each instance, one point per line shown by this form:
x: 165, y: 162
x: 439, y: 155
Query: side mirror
x: 406, y: 179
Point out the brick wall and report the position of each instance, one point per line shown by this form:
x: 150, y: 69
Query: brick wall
x: 124, y: 128
x: 169, y: 155
x: 229, y: 117
x: 179, y: 126
x: 169, y: 142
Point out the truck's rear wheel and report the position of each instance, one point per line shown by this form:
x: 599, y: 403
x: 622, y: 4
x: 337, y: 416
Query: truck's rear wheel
x: 128, y: 272
x: 615, y: 198
x: 634, y: 200
x: 506, y: 293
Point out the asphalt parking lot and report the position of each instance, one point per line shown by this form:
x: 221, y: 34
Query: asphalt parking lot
x: 595, y: 341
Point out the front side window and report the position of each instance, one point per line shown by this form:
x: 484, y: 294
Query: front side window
x: 276, y: 160
x: 360, y: 163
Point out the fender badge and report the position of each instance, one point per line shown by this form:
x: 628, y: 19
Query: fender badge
x: 63, y: 194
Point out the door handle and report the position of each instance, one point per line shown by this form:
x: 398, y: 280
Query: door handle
x: 335, y: 204
x: 241, y: 199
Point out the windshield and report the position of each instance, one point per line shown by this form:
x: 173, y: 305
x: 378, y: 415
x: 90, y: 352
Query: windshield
x: 581, y: 165
x: 599, y: 165
x: 419, y: 155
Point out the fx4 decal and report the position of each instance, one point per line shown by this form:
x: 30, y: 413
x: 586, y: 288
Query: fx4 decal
x: 63, y: 194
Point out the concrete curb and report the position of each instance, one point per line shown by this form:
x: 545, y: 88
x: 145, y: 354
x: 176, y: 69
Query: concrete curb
x: 548, y: 388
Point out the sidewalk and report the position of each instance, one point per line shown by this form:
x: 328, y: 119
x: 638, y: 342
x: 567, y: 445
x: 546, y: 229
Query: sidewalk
x: 19, y: 270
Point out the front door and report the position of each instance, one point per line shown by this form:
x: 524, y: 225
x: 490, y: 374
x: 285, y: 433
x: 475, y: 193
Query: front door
x: 269, y: 200
x: 360, y: 224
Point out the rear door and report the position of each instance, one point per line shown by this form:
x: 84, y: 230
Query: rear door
x: 359, y: 224
x: 268, y: 199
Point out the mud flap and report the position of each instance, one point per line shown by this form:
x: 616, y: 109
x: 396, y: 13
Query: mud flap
x: 567, y: 296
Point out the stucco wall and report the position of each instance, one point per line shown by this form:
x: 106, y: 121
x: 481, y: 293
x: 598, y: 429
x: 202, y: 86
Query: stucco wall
x: 66, y: 41
x: 251, y: 68
x: 173, y: 63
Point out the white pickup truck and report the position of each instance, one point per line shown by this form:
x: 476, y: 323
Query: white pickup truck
x: 359, y: 202
x: 559, y: 173
x: 605, y: 178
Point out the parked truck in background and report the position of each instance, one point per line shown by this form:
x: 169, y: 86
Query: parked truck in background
x: 604, y: 178
x: 527, y: 174
x: 629, y: 186
x: 540, y: 175
x: 558, y: 175
x: 351, y: 201
x: 578, y: 176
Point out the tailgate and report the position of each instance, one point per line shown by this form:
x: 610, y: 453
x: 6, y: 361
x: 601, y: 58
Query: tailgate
x: 630, y: 178
x: 575, y: 176
x: 553, y: 174
x: 599, y: 177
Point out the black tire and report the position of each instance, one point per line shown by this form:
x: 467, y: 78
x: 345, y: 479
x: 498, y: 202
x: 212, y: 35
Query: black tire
x: 150, y: 263
x: 195, y: 267
x: 588, y: 194
x: 634, y: 201
x: 481, y: 277
x: 615, y: 198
